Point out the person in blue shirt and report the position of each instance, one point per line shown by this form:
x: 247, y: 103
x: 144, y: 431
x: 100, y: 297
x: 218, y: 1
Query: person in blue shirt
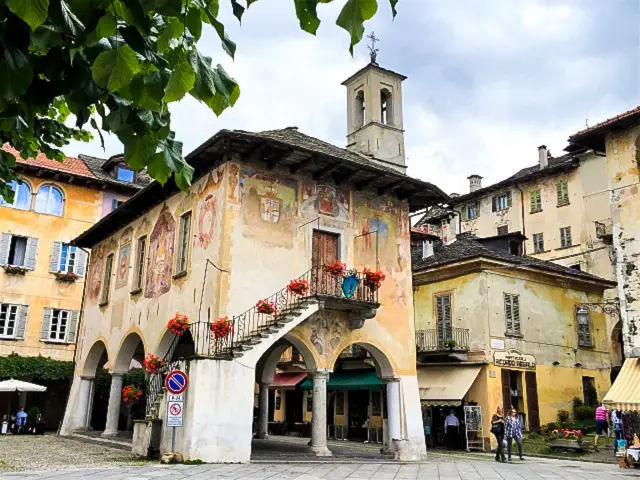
x: 21, y: 419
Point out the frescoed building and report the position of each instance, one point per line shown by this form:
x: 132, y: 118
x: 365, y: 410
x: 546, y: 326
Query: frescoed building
x: 264, y: 209
x: 42, y: 276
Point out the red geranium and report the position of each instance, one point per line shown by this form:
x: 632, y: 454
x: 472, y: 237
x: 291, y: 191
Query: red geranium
x: 266, y: 307
x: 221, y: 328
x: 298, y: 287
x: 152, y: 363
x: 373, y: 279
x: 336, y: 268
x: 178, y: 324
x: 131, y: 394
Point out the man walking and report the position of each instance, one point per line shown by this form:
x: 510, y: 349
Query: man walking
x: 451, y: 426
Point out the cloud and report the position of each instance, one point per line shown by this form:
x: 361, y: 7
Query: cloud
x: 488, y: 82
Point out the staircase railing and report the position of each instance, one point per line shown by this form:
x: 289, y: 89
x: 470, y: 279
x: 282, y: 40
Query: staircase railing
x: 156, y: 380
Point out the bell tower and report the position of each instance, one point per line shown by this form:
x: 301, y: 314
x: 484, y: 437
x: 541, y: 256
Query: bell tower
x: 374, y: 113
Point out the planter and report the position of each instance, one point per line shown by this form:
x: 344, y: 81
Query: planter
x: 14, y: 270
x: 66, y: 277
x: 568, y: 445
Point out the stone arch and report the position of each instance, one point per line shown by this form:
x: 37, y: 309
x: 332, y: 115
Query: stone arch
x: 384, y: 367
x: 184, y: 349
x: 127, y: 351
x: 92, y: 361
x: 266, y: 366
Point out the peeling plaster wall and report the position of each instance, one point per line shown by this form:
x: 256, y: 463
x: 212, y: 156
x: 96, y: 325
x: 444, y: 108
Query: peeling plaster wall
x: 623, y: 156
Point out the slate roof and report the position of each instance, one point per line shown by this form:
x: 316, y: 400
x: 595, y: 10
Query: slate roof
x: 468, y: 247
x: 434, y: 214
x: 96, y: 165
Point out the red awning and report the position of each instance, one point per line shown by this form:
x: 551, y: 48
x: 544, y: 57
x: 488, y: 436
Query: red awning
x: 287, y: 381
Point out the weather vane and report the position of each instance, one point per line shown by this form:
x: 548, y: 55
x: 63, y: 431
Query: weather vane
x: 373, y: 51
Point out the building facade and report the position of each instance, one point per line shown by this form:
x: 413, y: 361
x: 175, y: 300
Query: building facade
x: 43, y: 275
x: 497, y: 328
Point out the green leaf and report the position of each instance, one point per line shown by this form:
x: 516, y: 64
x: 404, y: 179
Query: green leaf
x: 15, y: 73
x: 213, y: 87
x: 249, y: 2
x: 352, y: 18
x: 73, y: 23
x: 238, y: 10
x: 194, y: 23
x: 94, y: 124
x: 33, y: 12
x: 147, y: 92
x: 181, y: 80
x: 172, y: 30
x: 116, y: 68
x: 171, y: 151
x: 228, y: 45
x: 139, y: 150
x: 393, y: 3
x: 104, y: 29
x: 306, y: 13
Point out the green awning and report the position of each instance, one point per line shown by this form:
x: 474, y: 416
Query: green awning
x: 349, y: 380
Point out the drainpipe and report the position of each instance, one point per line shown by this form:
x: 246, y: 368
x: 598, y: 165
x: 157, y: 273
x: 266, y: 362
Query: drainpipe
x: 524, y: 230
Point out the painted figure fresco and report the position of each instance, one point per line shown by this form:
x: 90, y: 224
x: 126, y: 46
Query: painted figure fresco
x: 234, y: 183
x: 160, y: 255
x: 208, y: 209
x: 95, y: 273
x: 326, y: 200
x: 377, y: 220
x: 122, y: 267
x: 269, y: 205
x: 326, y: 332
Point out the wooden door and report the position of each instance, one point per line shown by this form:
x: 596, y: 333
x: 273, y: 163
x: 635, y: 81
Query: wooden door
x: 532, y: 401
x: 506, y: 390
x: 325, y: 249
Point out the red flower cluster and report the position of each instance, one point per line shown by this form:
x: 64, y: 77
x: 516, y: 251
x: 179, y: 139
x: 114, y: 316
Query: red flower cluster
x: 298, y: 287
x: 130, y: 395
x: 266, y: 307
x: 152, y: 363
x: 336, y: 268
x: 373, y: 279
x: 178, y: 324
x: 566, y: 434
x: 221, y: 328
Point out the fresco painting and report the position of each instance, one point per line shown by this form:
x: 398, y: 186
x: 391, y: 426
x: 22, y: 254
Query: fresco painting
x: 269, y: 207
x: 95, y: 272
x: 326, y: 200
x: 376, y: 214
x: 122, y: 267
x: 160, y: 261
x: 234, y: 184
x: 208, y: 209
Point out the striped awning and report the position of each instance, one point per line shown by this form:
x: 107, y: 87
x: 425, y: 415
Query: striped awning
x: 625, y: 392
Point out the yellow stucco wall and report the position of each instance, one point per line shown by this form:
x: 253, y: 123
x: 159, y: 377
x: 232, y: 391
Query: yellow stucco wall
x: 39, y: 288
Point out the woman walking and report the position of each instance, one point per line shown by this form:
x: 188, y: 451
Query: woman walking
x: 497, y: 428
x: 513, y: 431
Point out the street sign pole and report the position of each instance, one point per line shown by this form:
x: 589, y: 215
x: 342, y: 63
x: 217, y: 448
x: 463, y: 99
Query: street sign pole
x: 176, y: 383
x: 173, y: 439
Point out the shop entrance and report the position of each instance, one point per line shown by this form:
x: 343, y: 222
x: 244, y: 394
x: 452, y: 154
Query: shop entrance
x: 293, y: 400
x: 514, y: 392
x: 358, y: 414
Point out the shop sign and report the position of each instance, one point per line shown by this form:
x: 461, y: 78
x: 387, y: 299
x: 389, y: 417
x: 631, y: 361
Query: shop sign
x: 513, y: 358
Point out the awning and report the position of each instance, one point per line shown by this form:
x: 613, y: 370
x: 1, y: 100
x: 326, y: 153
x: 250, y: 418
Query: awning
x: 350, y: 380
x: 625, y: 392
x: 20, y: 386
x: 446, y: 385
x: 287, y: 381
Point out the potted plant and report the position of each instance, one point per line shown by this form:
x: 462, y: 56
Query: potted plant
x: 178, y: 324
x: 66, y: 276
x: 298, y: 287
x: 568, y: 439
x: 152, y: 363
x: 15, y: 270
x: 336, y: 268
x: 221, y: 328
x: 373, y: 279
x: 266, y: 307
x: 450, y: 344
x: 131, y: 395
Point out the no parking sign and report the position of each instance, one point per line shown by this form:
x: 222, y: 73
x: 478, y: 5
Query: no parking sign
x: 176, y: 383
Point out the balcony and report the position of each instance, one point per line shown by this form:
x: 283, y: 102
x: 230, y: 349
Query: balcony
x: 452, y: 340
x: 604, y: 229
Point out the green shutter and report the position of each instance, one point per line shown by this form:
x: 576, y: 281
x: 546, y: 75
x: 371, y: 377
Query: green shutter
x: 516, y: 314
x: 494, y: 203
x: 477, y: 208
x: 508, y: 312
x: 563, y: 192
x: 509, y: 201
x: 463, y: 213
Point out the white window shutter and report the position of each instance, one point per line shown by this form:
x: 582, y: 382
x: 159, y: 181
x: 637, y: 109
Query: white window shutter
x: 46, y: 322
x: 81, y: 262
x: 30, y: 255
x: 23, y: 311
x: 5, y: 244
x: 73, y: 326
x: 54, y: 262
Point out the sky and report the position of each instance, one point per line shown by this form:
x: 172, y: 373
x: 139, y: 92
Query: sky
x: 488, y: 80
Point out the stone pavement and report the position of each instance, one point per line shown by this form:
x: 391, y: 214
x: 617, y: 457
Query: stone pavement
x: 432, y: 470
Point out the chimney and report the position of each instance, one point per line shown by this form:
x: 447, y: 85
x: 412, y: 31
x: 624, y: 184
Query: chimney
x: 475, y: 182
x: 543, y: 156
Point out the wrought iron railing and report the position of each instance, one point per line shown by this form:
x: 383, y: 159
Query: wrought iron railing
x: 445, y: 340
x: 251, y: 326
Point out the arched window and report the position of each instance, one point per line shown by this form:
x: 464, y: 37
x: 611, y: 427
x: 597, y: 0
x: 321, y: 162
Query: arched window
x: 49, y: 199
x: 21, y: 197
x: 360, y: 109
x: 386, y: 107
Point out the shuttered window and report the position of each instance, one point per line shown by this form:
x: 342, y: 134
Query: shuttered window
x: 535, y: 198
x: 443, y: 312
x: 59, y: 325
x: 18, y: 251
x: 565, y: 237
x: 473, y: 211
x: 538, y: 242
x: 183, y: 243
x: 501, y: 202
x: 106, y: 284
x: 13, y: 321
x: 502, y: 229
x: 67, y: 259
x: 512, y: 313
x: 138, y: 278
x: 563, y: 193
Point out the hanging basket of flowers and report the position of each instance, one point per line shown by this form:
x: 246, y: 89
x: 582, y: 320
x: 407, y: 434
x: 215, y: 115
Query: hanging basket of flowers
x: 336, y: 268
x: 152, y: 363
x: 298, y: 287
x: 266, y: 307
x: 178, y: 324
x: 221, y: 328
x: 373, y: 279
x: 131, y: 395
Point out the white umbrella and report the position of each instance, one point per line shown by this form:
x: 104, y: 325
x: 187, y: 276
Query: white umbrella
x: 12, y: 385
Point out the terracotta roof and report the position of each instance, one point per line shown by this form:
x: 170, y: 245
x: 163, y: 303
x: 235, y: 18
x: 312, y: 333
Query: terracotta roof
x: 71, y: 165
x: 467, y: 247
x: 607, y: 123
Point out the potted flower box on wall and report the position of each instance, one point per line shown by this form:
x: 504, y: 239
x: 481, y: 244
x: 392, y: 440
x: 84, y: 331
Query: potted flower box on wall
x: 15, y: 270
x: 66, y: 276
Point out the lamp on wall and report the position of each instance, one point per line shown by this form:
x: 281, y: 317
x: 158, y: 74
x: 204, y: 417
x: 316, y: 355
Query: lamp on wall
x: 583, y: 315
x: 609, y: 307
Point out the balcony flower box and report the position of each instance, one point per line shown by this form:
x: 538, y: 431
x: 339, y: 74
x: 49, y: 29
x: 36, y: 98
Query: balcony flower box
x: 298, y: 287
x: 221, y: 328
x: 152, y: 363
x: 66, y: 276
x: 15, y: 270
x: 266, y: 307
x: 178, y: 324
x: 336, y: 269
x: 373, y: 279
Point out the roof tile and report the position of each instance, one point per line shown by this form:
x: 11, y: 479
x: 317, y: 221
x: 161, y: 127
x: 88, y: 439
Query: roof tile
x: 71, y: 165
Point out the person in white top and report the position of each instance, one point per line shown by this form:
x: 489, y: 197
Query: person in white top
x: 451, y: 425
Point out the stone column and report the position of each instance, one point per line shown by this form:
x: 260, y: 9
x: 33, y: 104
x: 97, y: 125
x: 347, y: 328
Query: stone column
x: 319, y: 419
x: 263, y: 414
x: 113, y: 411
x: 84, y: 399
x: 393, y: 409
